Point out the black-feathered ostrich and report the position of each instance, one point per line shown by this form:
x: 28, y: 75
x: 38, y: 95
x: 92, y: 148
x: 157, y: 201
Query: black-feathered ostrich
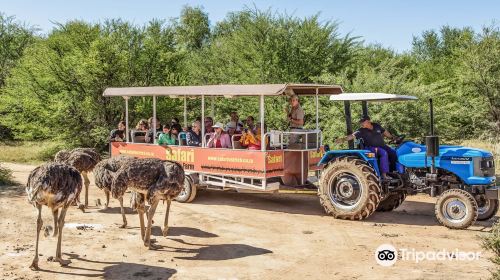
x: 153, y: 180
x: 84, y: 160
x: 55, y: 185
x: 104, y: 172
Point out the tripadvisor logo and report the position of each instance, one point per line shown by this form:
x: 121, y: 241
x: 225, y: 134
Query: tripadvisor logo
x: 387, y: 255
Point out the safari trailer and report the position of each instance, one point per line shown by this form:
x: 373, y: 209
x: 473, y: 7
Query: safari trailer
x: 281, y: 161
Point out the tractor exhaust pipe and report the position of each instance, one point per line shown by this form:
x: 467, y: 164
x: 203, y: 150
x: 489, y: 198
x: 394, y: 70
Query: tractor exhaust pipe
x: 432, y: 141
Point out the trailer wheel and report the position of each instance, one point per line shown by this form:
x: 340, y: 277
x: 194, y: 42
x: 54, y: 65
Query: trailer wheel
x: 456, y: 209
x: 391, y: 202
x: 188, y: 193
x: 487, y: 208
x: 349, y: 189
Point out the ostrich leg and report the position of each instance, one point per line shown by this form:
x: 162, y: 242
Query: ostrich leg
x: 165, y: 223
x: 55, y: 213
x: 122, y: 210
x: 151, y: 212
x: 59, y: 238
x: 39, y: 223
x: 140, y: 211
x: 86, y: 181
x: 107, y: 200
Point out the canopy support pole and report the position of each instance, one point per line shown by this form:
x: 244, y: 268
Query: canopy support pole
x: 154, y: 119
x: 185, y: 112
x: 212, y: 108
x: 317, y: 109
x: 364, y: 105
x: 262, y: 132
x: 203, y: 120
x: 348, y: 121
x: 126, y: 118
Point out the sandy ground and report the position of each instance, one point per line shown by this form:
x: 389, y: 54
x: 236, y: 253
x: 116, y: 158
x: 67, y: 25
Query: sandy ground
x: 224, y: 235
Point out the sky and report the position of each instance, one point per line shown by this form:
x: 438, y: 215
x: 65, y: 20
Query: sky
x: 391, y: 23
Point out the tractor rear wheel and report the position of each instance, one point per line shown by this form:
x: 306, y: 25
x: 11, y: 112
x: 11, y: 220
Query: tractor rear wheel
x: 188, y: 193
x: 487, y: 208
x: 349, y: 189
x: 392, y: 201
x: 456, y: 209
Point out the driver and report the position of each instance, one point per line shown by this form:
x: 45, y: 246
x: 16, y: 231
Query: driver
x: 372, y: 135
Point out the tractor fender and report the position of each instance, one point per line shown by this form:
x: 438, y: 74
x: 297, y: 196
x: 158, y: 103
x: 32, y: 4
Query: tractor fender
x: 361, y: 154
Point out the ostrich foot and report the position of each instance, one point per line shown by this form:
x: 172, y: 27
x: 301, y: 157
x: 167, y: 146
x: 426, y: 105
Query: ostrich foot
x: 165, y: 231
x: 81, y: 207
x: 124, y: 225
x: 34, y: 265
x: 154, y: 247
x: 61, y: 261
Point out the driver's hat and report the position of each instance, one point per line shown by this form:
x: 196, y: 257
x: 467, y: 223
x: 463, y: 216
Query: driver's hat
x: 363, y: 119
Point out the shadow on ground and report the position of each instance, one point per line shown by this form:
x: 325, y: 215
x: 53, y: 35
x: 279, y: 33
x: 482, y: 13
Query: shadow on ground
x: 417, y: 213
x: 115, y: 270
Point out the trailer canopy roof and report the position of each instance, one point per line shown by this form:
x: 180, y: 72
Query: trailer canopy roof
x: 226, y: 90
x: 371, y: 96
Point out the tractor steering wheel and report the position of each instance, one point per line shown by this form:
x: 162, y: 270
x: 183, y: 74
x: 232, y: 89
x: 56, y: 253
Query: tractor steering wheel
x: 397, y: 140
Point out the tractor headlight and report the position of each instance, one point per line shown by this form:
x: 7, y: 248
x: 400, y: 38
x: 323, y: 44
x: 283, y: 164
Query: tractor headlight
x: 484, y: 167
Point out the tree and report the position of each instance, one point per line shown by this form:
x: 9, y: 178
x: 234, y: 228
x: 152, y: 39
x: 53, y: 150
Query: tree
x: 192, y: 30
x: 480, y: 73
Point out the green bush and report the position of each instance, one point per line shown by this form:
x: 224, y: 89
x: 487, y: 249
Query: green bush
x: 491, y: 242
x: 5, y: 176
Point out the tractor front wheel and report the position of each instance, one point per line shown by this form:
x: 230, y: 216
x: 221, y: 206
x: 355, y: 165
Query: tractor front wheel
x: 487, y: 208
x: 349, y: 189
x: 456, y: 209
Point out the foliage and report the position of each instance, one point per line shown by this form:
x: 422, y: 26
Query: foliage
x: 5, y: 176
x: 53, y: 86
x: 491, y: 242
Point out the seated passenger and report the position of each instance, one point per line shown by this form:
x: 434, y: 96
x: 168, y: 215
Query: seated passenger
x: 193, y: 136
x: 250, y: 123
x: 167, y: 138
x: 219, y: 138
x: 175, y: 130
x: 118, y: 135
x: 174, y: 121
x: 209, y: 122
x: 151, y: 135
x: 252, y: 140
x: 234, y: 122
x: 142, y: 125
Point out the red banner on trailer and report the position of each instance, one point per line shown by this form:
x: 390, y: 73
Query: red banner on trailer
x: 244, y: 163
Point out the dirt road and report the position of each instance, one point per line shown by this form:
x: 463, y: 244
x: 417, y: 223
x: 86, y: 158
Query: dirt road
x: 224, y: 235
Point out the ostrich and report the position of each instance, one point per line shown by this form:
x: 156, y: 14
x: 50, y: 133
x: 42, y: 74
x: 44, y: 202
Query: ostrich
x: 56, y: 186
x: 84, y: 160
x: 103, y: 175
x: 153, y: 180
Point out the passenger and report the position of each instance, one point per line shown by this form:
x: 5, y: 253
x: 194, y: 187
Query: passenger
x: 250, y: 123
x: 167, y: 138
x: 118, y: 135
x: 175, y: 130
x: 193, y: 137
x: 295, y: 115
x: 151, y: 135
x: 219, y: 138
x: 142, y: 125
x: 174, y: 121
x: 209, y: 122
x: 234, y: 122
x: 231, y: 129
x: 251, y: 140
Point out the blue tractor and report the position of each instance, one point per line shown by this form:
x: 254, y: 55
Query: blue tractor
x: 462, y: 178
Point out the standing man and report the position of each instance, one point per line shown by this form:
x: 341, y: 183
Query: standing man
x: 295, y: 115
x: 372, y: 135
